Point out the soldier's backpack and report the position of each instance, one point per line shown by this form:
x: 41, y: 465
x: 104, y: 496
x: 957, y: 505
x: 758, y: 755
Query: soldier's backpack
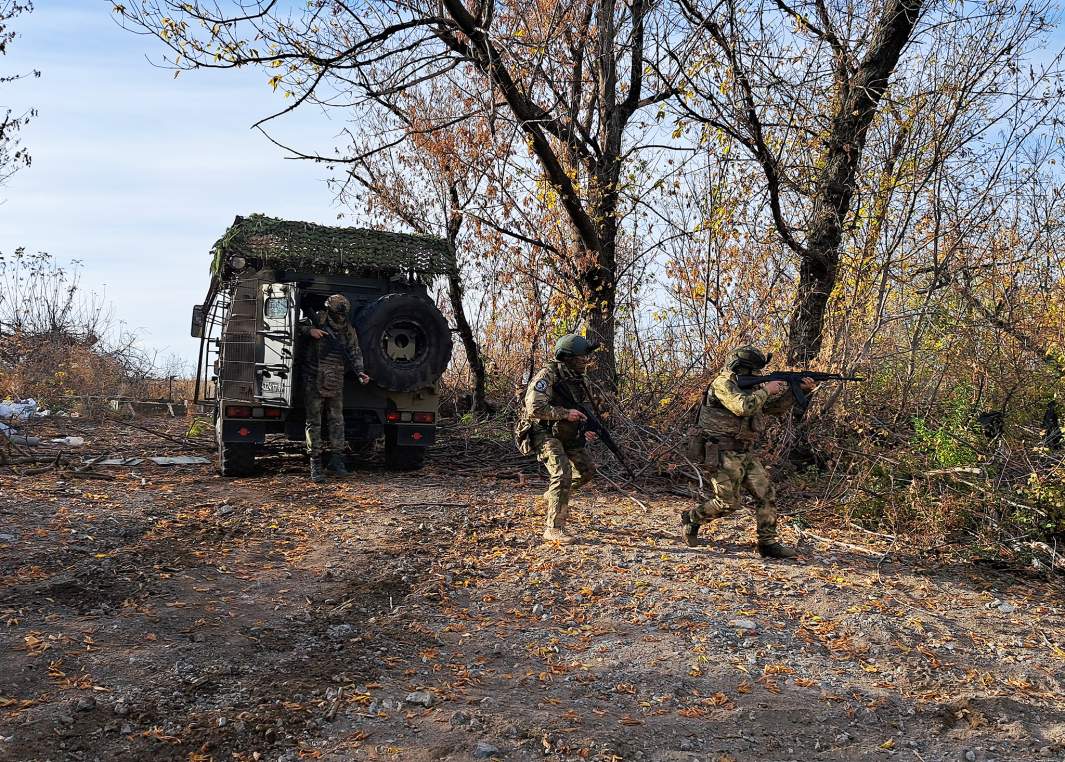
x: 523, y: 428
x: 700, y: 449
x: 522, y: 437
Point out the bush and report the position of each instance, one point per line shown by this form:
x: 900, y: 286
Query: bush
x: 1047, y: 491
x: 57, y: 342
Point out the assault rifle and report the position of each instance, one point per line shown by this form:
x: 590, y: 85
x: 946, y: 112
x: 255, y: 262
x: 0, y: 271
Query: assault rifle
x: 590, y: 423
x: 793, y: 378
x: 340, y: 346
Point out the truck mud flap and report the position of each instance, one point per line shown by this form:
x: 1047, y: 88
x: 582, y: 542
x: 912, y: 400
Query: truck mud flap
x: 244, y: 431
x: 414, y: 435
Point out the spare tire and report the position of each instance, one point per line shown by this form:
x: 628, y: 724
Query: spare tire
x: 406, y: 342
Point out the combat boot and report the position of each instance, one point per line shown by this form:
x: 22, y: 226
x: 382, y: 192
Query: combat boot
x: 691, y: 529
x: 561, y: 536
x: 774, y: 549
x: 336, y: 465
x: 316, y: 469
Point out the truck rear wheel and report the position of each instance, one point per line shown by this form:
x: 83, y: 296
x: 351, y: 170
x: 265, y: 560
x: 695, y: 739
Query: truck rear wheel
x: 402, y: 457
x: 236, y: 459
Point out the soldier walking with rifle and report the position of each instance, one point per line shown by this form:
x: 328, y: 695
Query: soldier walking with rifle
x: 334, y: 347
x: 555, y: 423
x: 731, y: 418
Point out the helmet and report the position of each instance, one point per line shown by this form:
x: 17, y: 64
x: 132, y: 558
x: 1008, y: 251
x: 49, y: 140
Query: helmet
x: 748, y: 357
x: 338, y: 303
x: 574, y: 345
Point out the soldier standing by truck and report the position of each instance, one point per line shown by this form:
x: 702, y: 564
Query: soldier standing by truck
x: 554, y: 433
x: 334, y: 347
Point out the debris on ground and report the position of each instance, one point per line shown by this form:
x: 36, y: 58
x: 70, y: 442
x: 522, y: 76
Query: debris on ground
x: 67, y: 441
x: 20, y: 410
x: 172, y: 614
x: 178, y: 460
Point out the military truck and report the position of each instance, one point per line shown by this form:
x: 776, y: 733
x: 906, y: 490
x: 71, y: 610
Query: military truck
x: 269, y: 274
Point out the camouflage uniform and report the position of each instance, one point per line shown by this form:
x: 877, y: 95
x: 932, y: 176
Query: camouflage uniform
x: 323, y: 379
x: 730, y: 422
x: 557, y: 443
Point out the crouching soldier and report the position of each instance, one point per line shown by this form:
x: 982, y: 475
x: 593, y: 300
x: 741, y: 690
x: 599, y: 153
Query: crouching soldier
x: 729, y: 424
x: 554, y: 433
x: 333, y: 346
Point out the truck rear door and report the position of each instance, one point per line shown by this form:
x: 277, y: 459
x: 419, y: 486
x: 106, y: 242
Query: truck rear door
x: 274, y: 375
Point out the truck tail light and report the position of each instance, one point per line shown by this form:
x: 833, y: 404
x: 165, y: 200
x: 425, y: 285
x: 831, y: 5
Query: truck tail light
x: 238, y: 411
x: 405, y: 416
x: 272, y: 412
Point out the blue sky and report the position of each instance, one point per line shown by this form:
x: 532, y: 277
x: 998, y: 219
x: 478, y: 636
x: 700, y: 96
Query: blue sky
x: 136, y: 174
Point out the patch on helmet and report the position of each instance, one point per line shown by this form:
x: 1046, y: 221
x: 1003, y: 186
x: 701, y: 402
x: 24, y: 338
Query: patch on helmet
x: 541, y: 385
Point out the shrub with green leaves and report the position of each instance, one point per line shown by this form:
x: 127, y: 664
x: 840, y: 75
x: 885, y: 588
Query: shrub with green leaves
x: 1047, y: 491
x: 946, y: 445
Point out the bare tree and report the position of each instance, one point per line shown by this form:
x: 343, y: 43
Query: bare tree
x: 58, y: 340
x: 800, y: 86
x: 13, y: 156
x: 428, y: 183
x: 39, y: 297
x: 569, y: 77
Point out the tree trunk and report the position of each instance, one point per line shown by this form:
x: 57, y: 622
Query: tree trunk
x: 563, y: 138
x: 817, y: 278
x: 469, y: 343
x: 455, y: 293
x: 859, y: 100
x: 600, y: 288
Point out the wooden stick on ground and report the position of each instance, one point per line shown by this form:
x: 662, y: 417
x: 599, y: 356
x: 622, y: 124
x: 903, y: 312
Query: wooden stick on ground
x: 857, y: 548
x: 431, y: 505
x: 623, y: 491
x: 182, y: 442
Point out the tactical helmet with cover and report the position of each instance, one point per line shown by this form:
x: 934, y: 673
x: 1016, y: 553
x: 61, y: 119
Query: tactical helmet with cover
x: 749, y: 357
x: 574, y: 345
x: 338, y: 304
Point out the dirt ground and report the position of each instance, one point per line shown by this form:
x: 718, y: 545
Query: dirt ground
x: 173, y: 614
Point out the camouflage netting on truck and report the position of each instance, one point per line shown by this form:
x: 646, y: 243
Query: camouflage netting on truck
x: 266, y: 242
